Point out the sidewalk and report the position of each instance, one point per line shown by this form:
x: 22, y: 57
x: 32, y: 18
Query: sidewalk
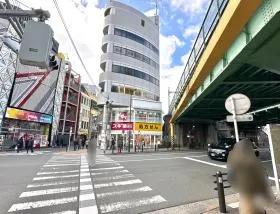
x: 211, y: 206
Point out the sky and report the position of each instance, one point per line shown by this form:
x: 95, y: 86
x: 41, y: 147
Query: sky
x: 180, y: 21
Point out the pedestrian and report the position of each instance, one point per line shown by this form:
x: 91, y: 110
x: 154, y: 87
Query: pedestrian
x: 76, y: 142
x: 19, y: 144
x: 120, y: 146
x: 79, y: 142
x: 30, y: 144
x: 83, y: 142
x: 113, y: 145
x: 247, y: 175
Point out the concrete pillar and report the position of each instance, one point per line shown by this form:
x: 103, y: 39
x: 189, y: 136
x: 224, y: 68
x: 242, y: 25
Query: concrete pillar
x: 212, y: 135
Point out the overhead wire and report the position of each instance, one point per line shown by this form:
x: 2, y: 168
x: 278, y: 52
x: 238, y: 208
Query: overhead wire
x: 72, y: 41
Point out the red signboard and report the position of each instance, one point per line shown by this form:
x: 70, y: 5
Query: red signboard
x: 122, y: 126
x: 122, y: 116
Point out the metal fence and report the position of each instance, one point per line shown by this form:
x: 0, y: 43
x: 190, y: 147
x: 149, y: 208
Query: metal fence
x: 209, y: 24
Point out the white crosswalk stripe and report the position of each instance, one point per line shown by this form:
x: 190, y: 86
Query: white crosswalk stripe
x: 51, y: 187
x: 23, y: 153
x: 126, y: 193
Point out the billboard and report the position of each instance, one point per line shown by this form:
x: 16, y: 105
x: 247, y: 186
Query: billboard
x: 19, y: 114
x: 139, y: 126
x: 123, y: 126
x: 34, y: 89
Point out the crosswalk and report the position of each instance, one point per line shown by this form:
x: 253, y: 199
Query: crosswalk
x: 66, y: 185
x: 119, y: 191
x: 54, y: 189
x: 23, y: 153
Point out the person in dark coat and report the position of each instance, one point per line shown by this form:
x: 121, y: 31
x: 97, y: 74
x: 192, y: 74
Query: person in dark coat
x: 30, y: 144
x: 19, y: 144
x: 113, y: 142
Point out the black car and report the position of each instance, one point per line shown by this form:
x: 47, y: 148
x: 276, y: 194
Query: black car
x: 223, y: 147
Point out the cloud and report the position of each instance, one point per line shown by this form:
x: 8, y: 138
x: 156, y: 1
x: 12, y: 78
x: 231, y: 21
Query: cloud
x: 192, y: 6
x: 85, y: 23
x: 151, y: 12
x: 185, y: 57
x: 168, y: 45
x: 191, y: 31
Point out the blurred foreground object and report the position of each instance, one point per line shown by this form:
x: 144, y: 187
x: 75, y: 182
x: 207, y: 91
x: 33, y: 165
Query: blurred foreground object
x: 247, y: 176
x: 92, y: 151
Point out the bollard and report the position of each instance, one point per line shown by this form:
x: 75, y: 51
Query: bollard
x: 221, y: 193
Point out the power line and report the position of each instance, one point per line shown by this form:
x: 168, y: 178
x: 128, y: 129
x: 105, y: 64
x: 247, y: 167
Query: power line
x: 72, y: 41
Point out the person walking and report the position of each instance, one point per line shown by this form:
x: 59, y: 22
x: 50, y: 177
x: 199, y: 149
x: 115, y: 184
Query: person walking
x: 120, y: 146
x: 113, y: 142
x: 19, y: 144
x: 76, y: 142
x: 30, y: 143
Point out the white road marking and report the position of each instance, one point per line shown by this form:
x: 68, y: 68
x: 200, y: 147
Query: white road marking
x: 48, y: 191
x: 266, y: 161
x: 84, y: 170
x: 86, y: 197
x: 110, y: 172
x: 85, y: 174
x: 87, y: 210
x: 58, y: 172
x: 150, y: 159
x: 153, y: 155
x: 205, y: 162
x: 114, y: 177
x: 54, y: 177
x: 38, y: 204
x: 272, y: 178
x: 105, y: 208
x: 118, y: 183
x: 51, y: 184
x: 51, y: 165
x: 234, y: 205
x: 82, y: 180
x: 66, y: 212
x: 85, y: 187
x: 108, y: 168
x: 141, y: 189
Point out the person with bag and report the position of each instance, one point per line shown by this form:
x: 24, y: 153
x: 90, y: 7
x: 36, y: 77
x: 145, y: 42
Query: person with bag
x: 113, y: 142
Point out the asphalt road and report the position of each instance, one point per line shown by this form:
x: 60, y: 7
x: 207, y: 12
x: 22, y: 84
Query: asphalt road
x: 53, y: 182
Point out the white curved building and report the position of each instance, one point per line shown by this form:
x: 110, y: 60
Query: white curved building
x: 130, y: 64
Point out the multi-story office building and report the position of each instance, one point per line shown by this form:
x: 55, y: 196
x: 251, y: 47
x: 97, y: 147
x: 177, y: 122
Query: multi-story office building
x: 131, y: 77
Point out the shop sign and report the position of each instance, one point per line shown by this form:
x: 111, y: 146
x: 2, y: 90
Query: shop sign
x: 121, y: 126
x: 123, y: 116
x: 19, y: 114
x: 148, y: 126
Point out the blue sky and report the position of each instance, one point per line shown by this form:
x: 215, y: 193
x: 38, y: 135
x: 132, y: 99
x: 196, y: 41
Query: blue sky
x: 180, y: 21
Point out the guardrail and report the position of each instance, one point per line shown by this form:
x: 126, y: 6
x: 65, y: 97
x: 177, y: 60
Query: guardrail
x: 210, y: 21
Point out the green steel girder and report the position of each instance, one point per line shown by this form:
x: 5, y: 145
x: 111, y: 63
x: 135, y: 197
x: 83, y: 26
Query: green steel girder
x: 250, y: 66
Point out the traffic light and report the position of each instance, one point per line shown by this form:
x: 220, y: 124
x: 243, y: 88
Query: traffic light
x: 53, y: 64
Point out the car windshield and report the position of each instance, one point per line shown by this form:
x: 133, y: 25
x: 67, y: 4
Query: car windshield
x: 225, y: 142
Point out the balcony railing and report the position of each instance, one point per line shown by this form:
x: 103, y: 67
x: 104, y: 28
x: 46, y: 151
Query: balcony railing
x: 208, y: 26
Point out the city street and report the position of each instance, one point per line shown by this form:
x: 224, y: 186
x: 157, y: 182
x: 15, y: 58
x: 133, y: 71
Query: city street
x: 56, y: 181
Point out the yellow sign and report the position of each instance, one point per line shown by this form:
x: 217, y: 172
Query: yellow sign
x: 139, y: 126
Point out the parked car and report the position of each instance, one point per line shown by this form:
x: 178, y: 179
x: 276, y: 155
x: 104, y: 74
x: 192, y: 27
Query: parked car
x: 221, y: 149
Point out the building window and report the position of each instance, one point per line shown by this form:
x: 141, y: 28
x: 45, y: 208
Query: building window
x: 107, y: 12
x: 135, y: 38
x: 135, y: 55
x: 142, y: 22
x: 114, y: 88
x: 132, y: 72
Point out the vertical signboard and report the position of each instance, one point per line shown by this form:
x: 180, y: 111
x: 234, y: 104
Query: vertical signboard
x: 274, y: 144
